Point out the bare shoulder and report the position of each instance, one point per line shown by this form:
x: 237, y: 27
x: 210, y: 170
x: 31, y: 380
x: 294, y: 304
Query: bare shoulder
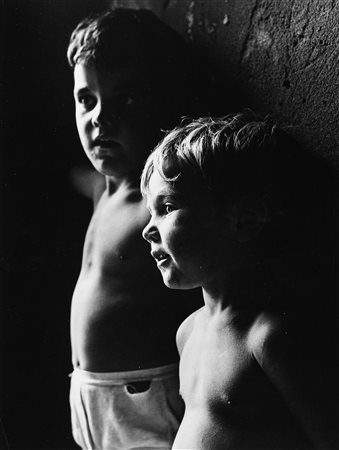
x: 279, y: 339
x: 185, y: 329
x: 297, y: 361
x: 88, y: 182
x: 267, y: 334
x: 294, y: 337
x: 279, y: 346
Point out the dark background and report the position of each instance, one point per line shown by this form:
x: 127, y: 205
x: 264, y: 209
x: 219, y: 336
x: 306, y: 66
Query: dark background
x: 43, y: 219
x: 284, y: 54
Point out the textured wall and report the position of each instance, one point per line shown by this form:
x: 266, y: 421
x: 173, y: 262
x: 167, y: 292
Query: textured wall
x: 281, y: 55
x: 158, y: 6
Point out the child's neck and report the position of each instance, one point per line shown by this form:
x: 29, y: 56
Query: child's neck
x: 269, y: 284
x: 244, y: 288
x: 114, y: 184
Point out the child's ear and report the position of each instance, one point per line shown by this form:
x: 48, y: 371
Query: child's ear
x: 251, y: 216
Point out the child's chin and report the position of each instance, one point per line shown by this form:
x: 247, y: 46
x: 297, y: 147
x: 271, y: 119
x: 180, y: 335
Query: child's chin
x: 169, y: 282
x: 172, y: 283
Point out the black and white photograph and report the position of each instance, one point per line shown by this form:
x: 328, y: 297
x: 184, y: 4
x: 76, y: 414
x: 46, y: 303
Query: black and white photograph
x: 169, y: 225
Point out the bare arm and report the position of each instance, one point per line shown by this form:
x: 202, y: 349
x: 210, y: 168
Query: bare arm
x: 299, y: 367
x: 184, y: 330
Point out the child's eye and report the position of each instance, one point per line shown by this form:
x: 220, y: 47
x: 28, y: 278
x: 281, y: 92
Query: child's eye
x: 169, y: 208
x: 87, y: 101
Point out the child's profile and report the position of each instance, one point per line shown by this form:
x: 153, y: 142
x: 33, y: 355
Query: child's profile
x: 132, y: 78
x: 240, y: 209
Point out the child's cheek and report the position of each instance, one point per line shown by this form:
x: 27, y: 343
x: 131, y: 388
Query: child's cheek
x: 185, y: 235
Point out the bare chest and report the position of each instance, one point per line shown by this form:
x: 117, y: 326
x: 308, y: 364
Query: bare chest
x: 219, y: 374
x: 114, y: 234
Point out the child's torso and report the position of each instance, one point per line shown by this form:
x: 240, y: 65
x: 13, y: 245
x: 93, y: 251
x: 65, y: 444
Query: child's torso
x: 123, y: 317
x: 230, y: 403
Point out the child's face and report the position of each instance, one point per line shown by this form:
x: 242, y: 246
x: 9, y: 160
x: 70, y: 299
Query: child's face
x: 116, y: 118
x: 192, y: 246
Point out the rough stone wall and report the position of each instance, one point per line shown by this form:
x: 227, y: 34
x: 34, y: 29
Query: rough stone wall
x: 283, y: 56
x: 158, y: 6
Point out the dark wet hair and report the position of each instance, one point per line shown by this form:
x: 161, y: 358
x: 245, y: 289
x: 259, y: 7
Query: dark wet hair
x: 124, y: 37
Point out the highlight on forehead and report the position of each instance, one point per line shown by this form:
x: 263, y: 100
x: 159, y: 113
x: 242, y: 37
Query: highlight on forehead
x: 157, y: 161
x: 177, y: 158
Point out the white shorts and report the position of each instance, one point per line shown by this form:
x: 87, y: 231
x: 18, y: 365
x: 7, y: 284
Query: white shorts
x: 111, y: 412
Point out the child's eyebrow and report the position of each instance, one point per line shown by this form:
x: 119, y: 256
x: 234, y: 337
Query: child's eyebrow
x: 83, y: 90
x: 168, y: 196
x: 162, y: 198
x: 158, y: 200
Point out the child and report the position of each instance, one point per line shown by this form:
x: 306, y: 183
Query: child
x: 233, y: 205
x: 131, y: 78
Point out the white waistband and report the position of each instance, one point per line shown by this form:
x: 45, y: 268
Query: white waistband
x: 154, y: 373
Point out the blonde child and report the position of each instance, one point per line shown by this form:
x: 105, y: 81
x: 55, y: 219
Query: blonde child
x: 240, y: 210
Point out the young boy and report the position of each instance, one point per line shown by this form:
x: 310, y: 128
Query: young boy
x: 233, y: 205
x: 131, y: 76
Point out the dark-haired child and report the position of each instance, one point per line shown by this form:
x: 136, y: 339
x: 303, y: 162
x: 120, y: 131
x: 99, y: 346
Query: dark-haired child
x: 132, y: 78
x: 240, y: 209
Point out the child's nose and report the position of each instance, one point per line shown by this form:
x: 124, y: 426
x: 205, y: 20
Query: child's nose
x: 102, y: 116
x: 150, y: 233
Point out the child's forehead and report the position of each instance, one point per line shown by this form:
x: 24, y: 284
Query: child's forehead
x: 159, y: 186
x: 119, y: 75
x: 159, y: 189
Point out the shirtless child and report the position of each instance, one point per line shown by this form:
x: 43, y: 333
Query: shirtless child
x: 129, y: 84
x: 234, y: 205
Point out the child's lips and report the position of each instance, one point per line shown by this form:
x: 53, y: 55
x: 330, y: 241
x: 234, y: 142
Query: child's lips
x: 104, y: 143
x: 104, y: 146
x: 160, y: 257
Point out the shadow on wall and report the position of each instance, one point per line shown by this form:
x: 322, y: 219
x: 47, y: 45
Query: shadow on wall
x: 281, y: 56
